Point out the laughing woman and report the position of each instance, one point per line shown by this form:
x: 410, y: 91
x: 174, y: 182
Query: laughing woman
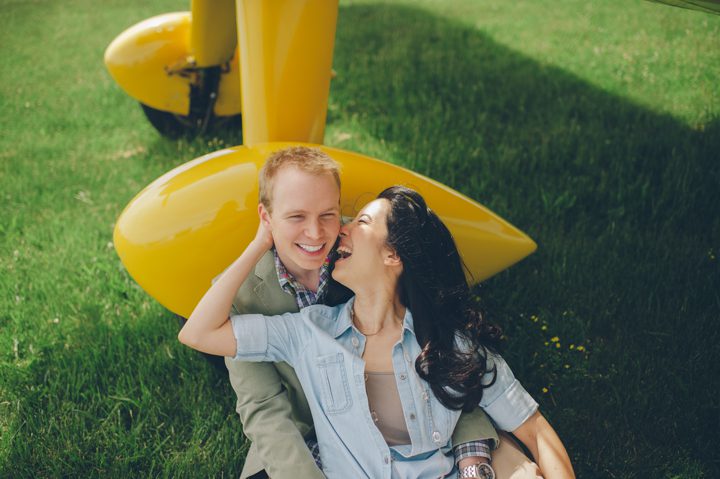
x: 388, y: 373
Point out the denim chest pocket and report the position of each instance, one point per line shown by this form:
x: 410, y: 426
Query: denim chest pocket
x: 334, y: 383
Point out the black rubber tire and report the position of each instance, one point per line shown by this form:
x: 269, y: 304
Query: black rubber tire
x: 217, y: 361
x: 169, y: 124
x: 173, y: 126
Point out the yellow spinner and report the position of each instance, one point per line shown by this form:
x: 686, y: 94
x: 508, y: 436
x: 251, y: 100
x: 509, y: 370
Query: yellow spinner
x: 188, y: 225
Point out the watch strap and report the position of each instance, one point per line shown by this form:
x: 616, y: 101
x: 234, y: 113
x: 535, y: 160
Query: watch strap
x: 481, y: 470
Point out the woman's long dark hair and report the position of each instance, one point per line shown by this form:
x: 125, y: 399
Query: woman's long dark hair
x: 433, y: 287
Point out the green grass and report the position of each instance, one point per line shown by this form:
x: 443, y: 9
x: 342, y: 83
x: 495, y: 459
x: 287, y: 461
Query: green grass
x: 593, y: 126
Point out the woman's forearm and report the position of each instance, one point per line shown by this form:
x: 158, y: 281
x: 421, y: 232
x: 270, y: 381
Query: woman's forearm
x: 208, y: 329
x: 547, y: 448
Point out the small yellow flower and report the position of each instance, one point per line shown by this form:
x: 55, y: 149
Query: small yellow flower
x: 567, y: 366
x: 572, y: 346
x: 557, y: 345
x: 534, y: 318
x: 545, y: 390
x: 546, y: 343
x: 554, y: 339
x: 543, y: 327
x: 581, y: 348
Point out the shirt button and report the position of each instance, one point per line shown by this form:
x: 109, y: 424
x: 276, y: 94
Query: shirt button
x: 387, y: 460
x: 412, y: 415
x: 355, y: 342
x: 403, y: 377
x: 436, y: 436
x: 425, y: 396
x: 407, y: 358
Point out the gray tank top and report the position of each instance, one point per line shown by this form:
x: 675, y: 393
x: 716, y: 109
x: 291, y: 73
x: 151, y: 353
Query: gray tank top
x: 386, y: 408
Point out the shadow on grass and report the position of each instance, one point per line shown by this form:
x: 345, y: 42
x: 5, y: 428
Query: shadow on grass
x: 623, y: 202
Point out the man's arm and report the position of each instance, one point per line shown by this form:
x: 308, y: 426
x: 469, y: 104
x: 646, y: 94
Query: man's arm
x: 474, y: 438
x: 270, y: 400
x: 266, y: 413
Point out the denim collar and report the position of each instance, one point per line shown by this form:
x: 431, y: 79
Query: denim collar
x: 344, y: 320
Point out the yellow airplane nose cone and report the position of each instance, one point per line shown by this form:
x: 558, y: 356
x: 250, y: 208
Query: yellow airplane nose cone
x: 187, y: 226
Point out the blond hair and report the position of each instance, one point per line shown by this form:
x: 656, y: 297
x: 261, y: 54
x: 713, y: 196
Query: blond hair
x: 310, y: 160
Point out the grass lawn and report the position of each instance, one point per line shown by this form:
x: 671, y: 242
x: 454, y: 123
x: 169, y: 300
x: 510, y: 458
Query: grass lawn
x: 592, y: 126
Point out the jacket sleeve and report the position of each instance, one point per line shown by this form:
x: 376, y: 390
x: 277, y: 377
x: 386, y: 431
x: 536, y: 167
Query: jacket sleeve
x: 266, y: 414
x: 275, y: 417
x: 474, y: 426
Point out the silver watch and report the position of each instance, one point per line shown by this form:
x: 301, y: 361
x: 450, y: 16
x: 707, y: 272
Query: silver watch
x: 481, y: 470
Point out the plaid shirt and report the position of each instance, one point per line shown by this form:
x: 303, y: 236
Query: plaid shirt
x: 472, y: 449
x: 305, y: 297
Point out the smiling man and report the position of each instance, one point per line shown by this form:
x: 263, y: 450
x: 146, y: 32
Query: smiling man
x: 300, y: 206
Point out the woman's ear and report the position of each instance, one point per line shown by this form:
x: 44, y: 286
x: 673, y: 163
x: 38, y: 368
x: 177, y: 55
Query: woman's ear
x: 264, y: 215
x: 391, y: 258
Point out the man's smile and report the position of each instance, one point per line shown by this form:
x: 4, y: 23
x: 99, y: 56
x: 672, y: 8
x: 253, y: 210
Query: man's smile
x: 310, y: 248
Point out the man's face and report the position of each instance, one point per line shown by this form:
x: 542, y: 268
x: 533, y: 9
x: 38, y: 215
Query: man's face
x: 305, y: 219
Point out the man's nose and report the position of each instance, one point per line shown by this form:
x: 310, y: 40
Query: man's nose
x: 313, y: 229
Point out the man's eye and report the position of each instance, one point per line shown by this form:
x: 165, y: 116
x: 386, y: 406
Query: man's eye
x: 296, y: 217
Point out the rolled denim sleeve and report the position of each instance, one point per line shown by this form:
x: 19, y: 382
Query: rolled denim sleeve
x: 267, y: 338
x: 506, y: 401
x: 251, y: 336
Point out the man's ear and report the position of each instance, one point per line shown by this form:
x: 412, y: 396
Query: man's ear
x: 264, y: 215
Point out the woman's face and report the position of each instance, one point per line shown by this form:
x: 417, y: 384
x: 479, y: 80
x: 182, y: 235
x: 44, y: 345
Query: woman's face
x: 363, y: 249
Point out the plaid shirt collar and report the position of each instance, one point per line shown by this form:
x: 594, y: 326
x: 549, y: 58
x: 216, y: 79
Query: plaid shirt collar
x: 303, y: 296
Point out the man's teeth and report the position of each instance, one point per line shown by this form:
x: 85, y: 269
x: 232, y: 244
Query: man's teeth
x: 310, y: 249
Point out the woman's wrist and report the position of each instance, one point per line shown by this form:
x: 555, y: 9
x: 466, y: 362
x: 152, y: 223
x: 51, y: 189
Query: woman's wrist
x: 258, y: 247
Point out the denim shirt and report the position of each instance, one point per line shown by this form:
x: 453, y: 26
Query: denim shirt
x: 325, y: 349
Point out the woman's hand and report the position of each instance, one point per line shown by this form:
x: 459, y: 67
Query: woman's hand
x: 263, y: 237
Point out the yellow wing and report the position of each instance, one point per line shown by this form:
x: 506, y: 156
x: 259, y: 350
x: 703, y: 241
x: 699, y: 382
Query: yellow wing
x: 191, y: 223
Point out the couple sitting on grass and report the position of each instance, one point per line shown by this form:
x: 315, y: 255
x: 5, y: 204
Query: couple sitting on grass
x: 382, y: 384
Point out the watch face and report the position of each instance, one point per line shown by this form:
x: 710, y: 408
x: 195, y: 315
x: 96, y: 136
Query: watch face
x: 486, y: 472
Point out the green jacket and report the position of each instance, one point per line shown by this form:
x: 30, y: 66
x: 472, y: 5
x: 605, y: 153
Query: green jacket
x: 270, y: 401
